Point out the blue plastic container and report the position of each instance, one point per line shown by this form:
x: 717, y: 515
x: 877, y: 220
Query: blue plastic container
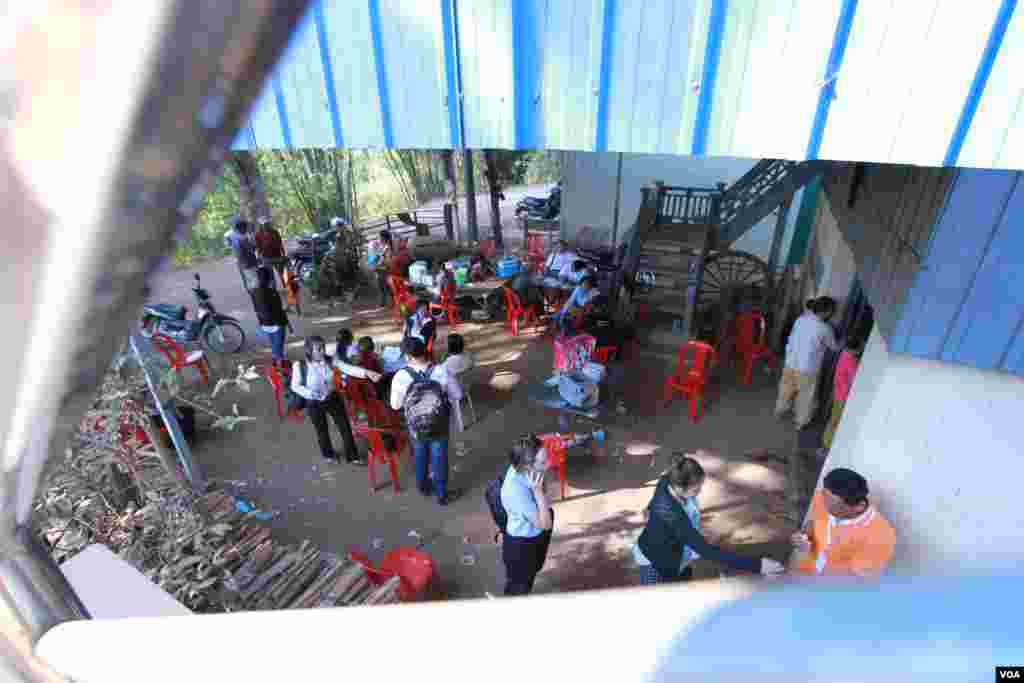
x: 509, y: 266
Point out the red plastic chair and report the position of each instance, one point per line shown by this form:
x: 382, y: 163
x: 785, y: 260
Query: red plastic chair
x: 751, y: 344
x: 400, y: 296
x: 279, y: 379
x: 693, y: 364
x: 555, y: 447
x: 413, y: 567
x: 447, y: 306
x: 379, y: 453
x: 603, y: 354
x: 179, y: 359
x: 514, y: 310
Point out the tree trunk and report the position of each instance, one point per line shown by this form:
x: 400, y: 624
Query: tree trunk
x: 472, y: 229
x: 494, y: 185
x: 253, y: 204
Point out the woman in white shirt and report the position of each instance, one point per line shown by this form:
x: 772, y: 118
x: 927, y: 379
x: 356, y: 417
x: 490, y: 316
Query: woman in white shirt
x: 805, y: 353
x: 313, y: 382
x: 524, y: 546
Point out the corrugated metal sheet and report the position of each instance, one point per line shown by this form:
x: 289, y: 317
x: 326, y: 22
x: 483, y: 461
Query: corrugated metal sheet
x: 653, y: 72
x: 967, y: 304
x: 904, y: 80
x: 886, y: 216
x: 485, y: 35
x: 772, y: 67
x: 911, y: 80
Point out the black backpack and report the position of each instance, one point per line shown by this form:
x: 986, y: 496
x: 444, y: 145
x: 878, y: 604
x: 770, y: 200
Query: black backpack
x: 426, y: 406
x: 492, y: 494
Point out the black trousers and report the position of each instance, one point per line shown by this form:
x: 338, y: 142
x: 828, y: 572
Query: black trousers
x: 524, y: 558
x: 318, y: 412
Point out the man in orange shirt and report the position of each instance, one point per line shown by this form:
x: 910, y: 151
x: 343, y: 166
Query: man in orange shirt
x: 844, y: 534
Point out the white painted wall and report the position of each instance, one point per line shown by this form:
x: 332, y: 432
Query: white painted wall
x: 838, y: 266
x: 589, y: 189
x: 940, y: 447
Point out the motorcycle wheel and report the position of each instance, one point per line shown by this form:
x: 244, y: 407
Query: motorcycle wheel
x: 226, y: 336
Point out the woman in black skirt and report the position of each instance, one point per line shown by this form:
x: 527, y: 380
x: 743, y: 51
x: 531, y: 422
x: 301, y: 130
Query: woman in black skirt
x: 530, y: 517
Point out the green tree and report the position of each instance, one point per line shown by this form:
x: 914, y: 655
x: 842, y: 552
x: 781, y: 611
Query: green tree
x: 419, y: 174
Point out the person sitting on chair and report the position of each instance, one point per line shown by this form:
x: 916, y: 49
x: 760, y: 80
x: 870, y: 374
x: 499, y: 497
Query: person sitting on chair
x: 579, y: 303
x: 559, y: 258
x: 574, y: 272
x: 420, y: 325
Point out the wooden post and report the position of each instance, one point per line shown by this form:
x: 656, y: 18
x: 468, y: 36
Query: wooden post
x: 472, y: 227
x: 449, y: 222
x: 659, y: 188
x: 780, y: 230
x: 696, y: 278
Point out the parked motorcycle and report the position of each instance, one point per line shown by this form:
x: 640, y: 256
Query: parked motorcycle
x: 218, y: 332
x: 546, y: 208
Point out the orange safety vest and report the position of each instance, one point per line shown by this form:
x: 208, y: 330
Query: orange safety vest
x: 863, y: 547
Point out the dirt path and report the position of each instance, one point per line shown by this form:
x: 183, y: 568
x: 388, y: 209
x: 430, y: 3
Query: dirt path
x: 276, y: 462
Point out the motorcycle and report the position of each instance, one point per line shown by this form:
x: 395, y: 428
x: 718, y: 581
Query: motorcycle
x: 218, y: 332
x: 544, y: 208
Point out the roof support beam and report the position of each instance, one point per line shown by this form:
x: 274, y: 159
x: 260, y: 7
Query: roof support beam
x: 828, y: 88
x: 605, y: 82
x: 376, y: 36
x: 325, y: 59
x: 452, y: 72
x: 282, y: 111
x: 712, y: 55
x: 988, y: 60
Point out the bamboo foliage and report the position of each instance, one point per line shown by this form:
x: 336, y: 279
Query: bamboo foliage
x: 320, y: 179
x: 418, y: 173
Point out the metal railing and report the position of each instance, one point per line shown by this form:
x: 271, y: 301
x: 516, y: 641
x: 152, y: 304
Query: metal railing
x: 686, y: 205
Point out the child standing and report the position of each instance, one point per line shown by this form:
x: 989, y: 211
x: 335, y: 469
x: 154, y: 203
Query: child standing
x: 846, y: 370
x: 367, y: 357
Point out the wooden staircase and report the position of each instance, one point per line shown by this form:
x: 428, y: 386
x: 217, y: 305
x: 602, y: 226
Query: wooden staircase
x: 676, y: 229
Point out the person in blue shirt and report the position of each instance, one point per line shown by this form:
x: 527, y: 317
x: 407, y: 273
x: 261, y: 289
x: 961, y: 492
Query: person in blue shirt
x: 574, y: 272
x: 524, y: 546
x: 578, y: 302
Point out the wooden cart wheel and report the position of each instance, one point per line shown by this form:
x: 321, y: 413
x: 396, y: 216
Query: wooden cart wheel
x: 731, y: 279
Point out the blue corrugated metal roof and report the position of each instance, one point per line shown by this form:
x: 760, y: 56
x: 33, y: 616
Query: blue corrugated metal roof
x: 868, y: 80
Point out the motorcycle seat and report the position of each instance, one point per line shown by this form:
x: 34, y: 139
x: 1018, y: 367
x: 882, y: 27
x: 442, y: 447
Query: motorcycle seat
x: 168, y: 311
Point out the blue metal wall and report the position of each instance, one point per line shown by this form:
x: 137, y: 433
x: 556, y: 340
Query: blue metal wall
x: 932, y: 83
x: 940, y: 256
x: 966, y: 304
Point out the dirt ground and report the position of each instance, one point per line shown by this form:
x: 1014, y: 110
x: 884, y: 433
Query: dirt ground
x: 276, y: 463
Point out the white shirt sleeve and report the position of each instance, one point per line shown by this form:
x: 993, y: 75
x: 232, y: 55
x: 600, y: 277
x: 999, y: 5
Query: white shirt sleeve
x: 296, y: 384
x: 449, y: 382
x: 399, y: 386
x: 351, y: 370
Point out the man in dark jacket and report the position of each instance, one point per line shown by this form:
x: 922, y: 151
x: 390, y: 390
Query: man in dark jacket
x: 242, y: 244
x: 270, y: 248
x: 266, y: 300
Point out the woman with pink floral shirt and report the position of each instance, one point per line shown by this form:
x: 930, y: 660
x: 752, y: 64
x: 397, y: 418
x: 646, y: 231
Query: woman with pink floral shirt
x: 846, y: 370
